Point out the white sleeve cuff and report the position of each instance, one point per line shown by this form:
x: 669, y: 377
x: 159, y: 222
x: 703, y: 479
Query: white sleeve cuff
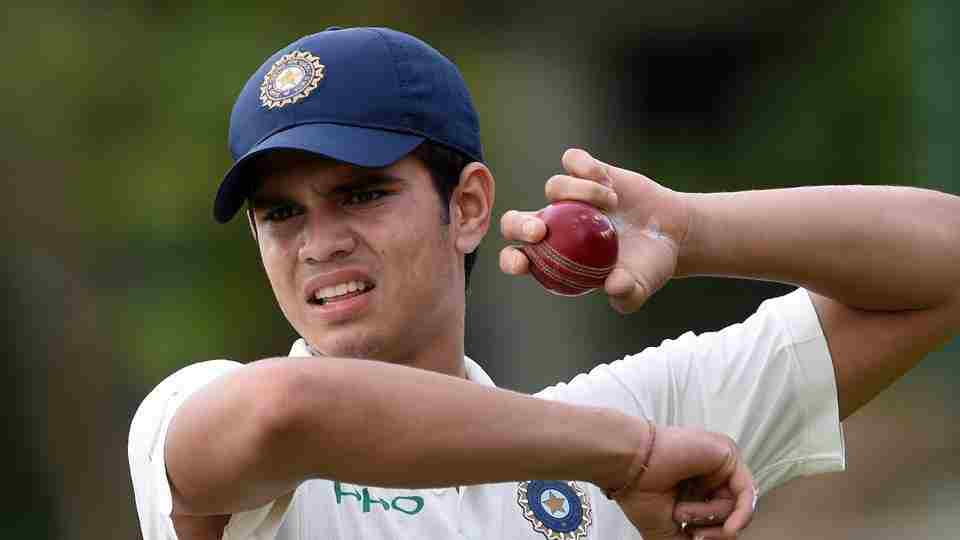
x: 821, y: 445
x: 148, y: 434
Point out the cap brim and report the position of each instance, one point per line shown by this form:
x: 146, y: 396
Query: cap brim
x: 359, y: 146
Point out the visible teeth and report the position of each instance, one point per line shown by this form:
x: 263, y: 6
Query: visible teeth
x: 340, y: 289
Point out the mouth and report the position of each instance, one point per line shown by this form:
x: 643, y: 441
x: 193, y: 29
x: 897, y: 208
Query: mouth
x: 340, y: 292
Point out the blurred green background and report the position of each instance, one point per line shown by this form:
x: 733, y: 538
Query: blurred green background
x: 115, y: 120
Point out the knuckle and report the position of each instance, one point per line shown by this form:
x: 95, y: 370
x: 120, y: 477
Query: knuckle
x: 600, y: 191
x: 641, y: 291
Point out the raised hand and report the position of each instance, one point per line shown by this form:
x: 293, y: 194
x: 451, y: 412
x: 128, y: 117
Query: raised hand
x: 652, y: 222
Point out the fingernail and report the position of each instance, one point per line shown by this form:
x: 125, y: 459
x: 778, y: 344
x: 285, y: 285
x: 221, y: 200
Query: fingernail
x: 529, y: 227
x: 517, y: 262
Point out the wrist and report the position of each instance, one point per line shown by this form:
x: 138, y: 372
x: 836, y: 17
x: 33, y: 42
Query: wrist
x: 627, y: 457
x: 708, y: 240
x: 692, y: 254
x: 639, y: 465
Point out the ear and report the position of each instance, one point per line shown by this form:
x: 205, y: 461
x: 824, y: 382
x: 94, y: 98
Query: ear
x: 471, y: 206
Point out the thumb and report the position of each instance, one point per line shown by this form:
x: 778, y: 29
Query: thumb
x: 626, y: 292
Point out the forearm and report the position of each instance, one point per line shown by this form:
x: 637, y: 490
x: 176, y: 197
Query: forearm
x: 378, y: 424
x: 877, y: 248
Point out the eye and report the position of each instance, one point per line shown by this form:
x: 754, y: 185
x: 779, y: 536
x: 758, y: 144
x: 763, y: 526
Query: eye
x: 364, y: 197
x: 281, y: 213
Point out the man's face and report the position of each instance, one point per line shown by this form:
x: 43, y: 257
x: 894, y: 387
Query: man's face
x: 360, y: 260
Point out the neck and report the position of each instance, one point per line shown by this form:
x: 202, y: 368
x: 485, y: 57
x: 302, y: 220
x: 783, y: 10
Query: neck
x: 441, y: 351
x: 443, y: 355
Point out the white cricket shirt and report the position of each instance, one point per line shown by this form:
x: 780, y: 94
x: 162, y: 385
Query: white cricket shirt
x: 767, y: 382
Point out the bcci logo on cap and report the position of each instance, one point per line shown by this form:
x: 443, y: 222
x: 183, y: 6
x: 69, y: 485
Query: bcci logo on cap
x: 290, y: 79
x: 558, y: 510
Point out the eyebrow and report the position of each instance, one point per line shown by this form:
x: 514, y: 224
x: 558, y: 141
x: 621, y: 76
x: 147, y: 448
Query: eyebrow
x: 366, y: 180
x: 354, y: 180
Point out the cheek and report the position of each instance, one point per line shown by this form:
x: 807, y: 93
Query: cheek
x: 426, y: 267
x: 278, y: 266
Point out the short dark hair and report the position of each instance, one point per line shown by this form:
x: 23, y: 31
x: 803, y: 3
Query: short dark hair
x: 445, y: 166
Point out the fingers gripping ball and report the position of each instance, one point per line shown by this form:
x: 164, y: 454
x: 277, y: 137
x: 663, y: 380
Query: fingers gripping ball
x: 578, y: 252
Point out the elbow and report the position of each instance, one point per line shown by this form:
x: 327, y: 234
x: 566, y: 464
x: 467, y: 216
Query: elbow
x: 305, y: 403
x: 247, y: 447
x: 291, y: 398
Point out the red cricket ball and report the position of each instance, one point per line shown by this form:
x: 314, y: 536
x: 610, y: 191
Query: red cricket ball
x: 578, y: 252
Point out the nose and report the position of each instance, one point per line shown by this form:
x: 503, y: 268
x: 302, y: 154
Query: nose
x: 325, y: 238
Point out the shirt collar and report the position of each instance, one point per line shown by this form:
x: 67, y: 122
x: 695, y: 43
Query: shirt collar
x: 475, y: 373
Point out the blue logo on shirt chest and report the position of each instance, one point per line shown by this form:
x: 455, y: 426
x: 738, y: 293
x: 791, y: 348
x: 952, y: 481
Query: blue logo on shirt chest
x: 558, y: 510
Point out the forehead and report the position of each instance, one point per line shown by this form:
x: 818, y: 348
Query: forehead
x: 283, y: 169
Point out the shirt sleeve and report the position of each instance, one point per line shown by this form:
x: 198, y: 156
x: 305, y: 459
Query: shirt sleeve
x: 148, y: 433
x: 768, y: 383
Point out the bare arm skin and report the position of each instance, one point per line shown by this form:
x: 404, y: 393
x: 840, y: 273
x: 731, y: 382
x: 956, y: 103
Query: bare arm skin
x: 878, y: 248
x: 278, y: 422
x: 258, y: 432
x: 883, y: 263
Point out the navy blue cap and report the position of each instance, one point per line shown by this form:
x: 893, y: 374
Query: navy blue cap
x: 365, y: 96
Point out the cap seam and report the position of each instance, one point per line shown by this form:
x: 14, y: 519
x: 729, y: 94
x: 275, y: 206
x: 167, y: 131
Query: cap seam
x: 403, y: 82
x: 393, y: 55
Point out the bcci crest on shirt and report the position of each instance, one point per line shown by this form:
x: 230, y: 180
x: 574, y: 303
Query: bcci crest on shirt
x: 290, y: 79
x: 558, y: 510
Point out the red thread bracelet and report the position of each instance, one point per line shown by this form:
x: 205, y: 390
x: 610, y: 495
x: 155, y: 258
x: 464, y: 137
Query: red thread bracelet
x: 613, y: 494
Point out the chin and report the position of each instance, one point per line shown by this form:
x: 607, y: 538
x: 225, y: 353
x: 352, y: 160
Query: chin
x: 367, y: 349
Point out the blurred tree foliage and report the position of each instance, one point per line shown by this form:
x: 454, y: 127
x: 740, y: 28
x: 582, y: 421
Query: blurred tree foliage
x: 116, y: 121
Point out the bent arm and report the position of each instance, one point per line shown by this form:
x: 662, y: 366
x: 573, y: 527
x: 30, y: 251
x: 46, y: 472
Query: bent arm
x: 883, y: 264
x: 258, y: 432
